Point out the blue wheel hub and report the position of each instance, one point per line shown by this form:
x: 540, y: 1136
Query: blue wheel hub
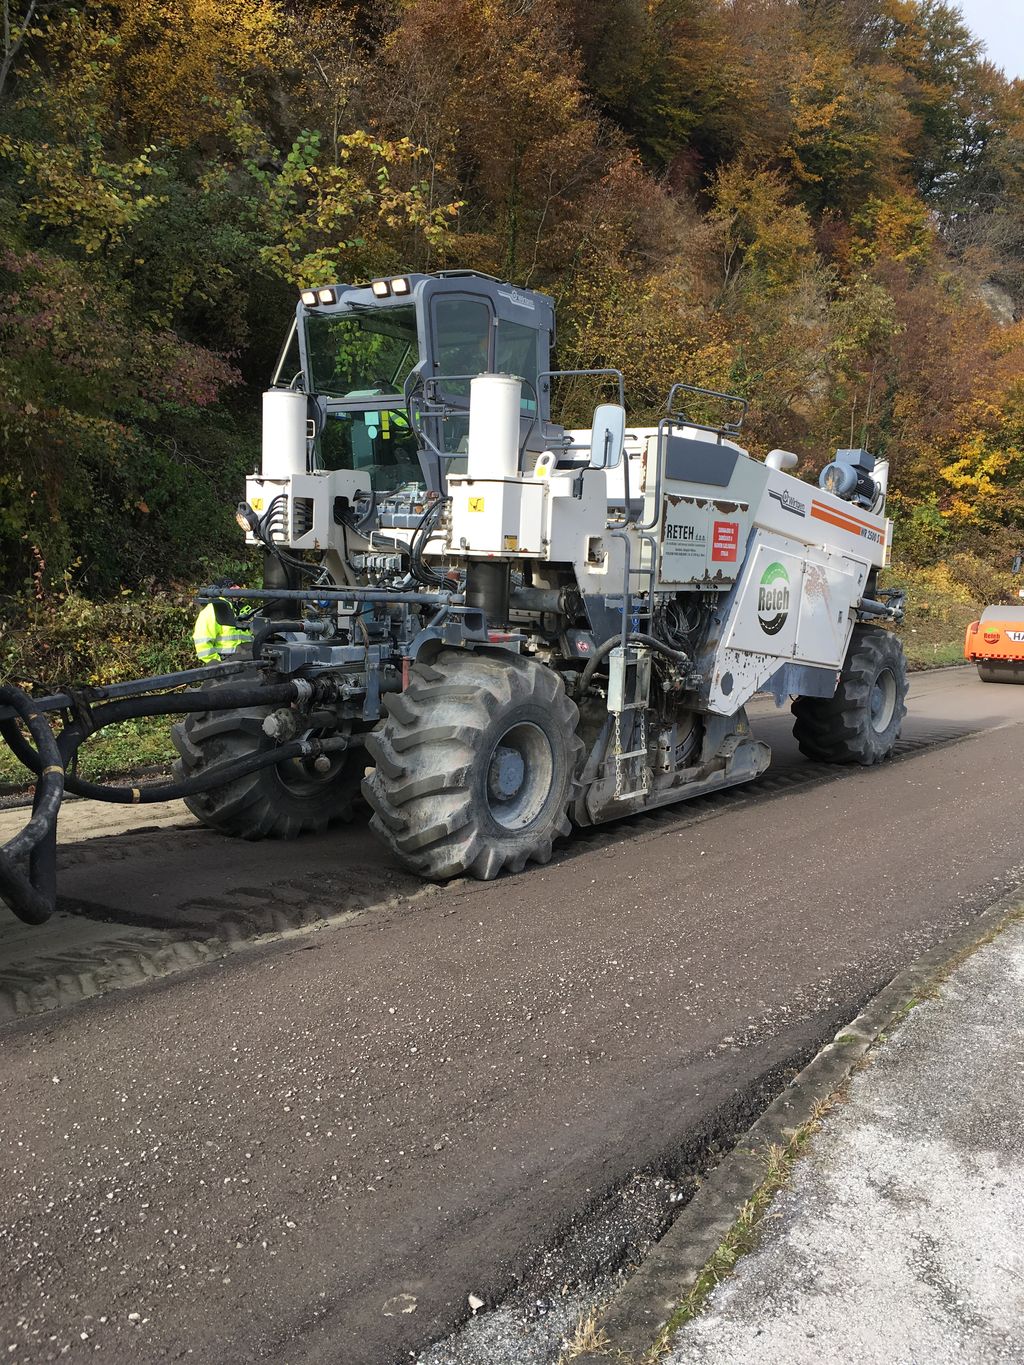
x: 505, y: 777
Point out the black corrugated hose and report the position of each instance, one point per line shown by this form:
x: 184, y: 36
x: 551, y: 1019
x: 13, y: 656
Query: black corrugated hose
x: 32, y: 896
x: 21, y: 892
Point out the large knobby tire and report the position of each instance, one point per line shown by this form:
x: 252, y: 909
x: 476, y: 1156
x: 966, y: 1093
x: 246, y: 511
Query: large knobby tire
x: 475, y: 766
x: 996, y: 672
x: 280, y: 801
x: 861, y: 722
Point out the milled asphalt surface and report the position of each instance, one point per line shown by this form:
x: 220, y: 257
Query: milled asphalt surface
x: 317, y: 1150
x: 899, y: 1237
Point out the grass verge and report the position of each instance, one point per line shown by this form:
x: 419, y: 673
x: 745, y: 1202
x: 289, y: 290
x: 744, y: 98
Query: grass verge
x: 587, y: 1338
x: 779, y: 1160
x: 117, y: 751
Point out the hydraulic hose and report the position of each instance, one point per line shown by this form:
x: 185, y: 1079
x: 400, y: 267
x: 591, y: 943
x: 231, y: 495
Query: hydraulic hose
x: 601, y: 653
x: 32, y: 897
x: 594, y: 662
x: 676, y: 655
x: 201, y: 699
x: 168, y: 791
x: 224, y: 698
x: 37, y: 839
x: 217, y: 776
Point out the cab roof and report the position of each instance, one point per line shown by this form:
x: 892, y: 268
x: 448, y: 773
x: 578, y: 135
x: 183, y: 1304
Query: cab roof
x: 512, y: 303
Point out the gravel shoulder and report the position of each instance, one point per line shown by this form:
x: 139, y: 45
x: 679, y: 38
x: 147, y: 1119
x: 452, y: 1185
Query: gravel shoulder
x: 898, y: 1237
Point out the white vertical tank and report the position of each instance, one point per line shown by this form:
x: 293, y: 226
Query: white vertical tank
x: 494, y: 407
x: 284, y: 434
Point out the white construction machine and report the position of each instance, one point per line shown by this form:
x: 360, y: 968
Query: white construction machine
x: 495, y: 627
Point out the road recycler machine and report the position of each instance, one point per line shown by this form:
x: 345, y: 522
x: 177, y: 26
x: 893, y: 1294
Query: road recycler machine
x: 484, y: 626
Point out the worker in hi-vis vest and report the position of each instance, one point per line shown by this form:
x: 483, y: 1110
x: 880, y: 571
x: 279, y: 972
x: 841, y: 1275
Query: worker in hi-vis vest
x: 212, y: 640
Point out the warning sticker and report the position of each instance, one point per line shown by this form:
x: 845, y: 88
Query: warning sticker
x: 725, y: 542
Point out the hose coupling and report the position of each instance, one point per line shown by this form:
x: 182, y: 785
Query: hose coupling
x: 281, y: 725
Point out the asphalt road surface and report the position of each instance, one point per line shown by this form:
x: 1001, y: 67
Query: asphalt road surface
x: 315, y: 1145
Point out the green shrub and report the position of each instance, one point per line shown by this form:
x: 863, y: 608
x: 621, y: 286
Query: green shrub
x: 70, y: 640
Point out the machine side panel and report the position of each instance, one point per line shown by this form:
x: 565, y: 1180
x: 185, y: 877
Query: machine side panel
x: 701, y: 540
x: 800, y: 511
x: 762, y: 620
x: 704, y: 523
x: 793, y: 605
x: 830, y: 586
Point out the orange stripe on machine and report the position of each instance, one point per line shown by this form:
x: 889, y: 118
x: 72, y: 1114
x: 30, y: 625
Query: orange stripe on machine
x: 847, y: 522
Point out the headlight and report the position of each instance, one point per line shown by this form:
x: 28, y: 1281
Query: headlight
x: 381, y: 289
x: 325, y: 295
x: 309, y: 298
x: 247, y: 519
x: 400, y: 286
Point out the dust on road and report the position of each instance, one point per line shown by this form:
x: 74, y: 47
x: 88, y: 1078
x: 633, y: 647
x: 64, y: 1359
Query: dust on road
x: 251, y: 1160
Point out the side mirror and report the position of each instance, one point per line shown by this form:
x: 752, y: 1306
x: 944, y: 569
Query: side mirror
x: 608, y: 436
x: 1017, y: 561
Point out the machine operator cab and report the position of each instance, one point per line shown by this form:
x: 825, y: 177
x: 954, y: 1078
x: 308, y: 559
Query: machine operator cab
x: 386, y: 367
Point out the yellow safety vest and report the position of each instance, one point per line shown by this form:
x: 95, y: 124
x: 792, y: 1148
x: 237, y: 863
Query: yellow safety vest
x: 212, y: 640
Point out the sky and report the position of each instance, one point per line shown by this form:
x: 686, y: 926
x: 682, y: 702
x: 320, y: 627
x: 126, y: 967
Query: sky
x: 1000, y: 26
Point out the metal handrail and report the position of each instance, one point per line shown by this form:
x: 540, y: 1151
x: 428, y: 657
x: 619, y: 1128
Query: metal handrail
x: 435, y: 407
x: 724, y: 428
x: 664, y: 424
x: 586, y: 374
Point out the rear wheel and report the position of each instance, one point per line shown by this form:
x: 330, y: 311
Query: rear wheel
x: 995, y: 672
x: 277, y: 802
x: 475, y: 766
x: 862, y: 721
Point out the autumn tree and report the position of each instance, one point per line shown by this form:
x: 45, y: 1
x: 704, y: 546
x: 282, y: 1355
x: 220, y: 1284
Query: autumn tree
x: 817, y: 204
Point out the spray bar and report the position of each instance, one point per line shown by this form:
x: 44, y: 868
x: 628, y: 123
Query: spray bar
x: 420, y: 599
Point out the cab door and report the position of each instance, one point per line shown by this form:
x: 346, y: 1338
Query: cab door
x: 462, y: 344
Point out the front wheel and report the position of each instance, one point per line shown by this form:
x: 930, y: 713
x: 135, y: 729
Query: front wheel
x: 475, y: 765
x: 862, y: 721
x: 280, y: 801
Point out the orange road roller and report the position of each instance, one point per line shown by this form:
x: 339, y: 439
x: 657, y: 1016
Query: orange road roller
x: 996, y: 644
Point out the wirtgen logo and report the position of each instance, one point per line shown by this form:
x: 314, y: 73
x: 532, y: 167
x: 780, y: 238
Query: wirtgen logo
x: 773, y: 599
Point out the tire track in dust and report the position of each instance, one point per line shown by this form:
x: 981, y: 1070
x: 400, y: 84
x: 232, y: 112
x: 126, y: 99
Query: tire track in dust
x: 95, y: 948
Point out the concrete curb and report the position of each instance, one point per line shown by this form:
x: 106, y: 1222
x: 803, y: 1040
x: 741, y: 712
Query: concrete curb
x: 633, y: 1320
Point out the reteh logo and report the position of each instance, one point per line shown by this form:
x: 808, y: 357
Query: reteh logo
x: 773, y: 599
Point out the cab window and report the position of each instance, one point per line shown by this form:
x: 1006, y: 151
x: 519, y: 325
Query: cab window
x: 463, y: 332
x: 516, y: 353
x: 366, y: 352
x: 375, y: 441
